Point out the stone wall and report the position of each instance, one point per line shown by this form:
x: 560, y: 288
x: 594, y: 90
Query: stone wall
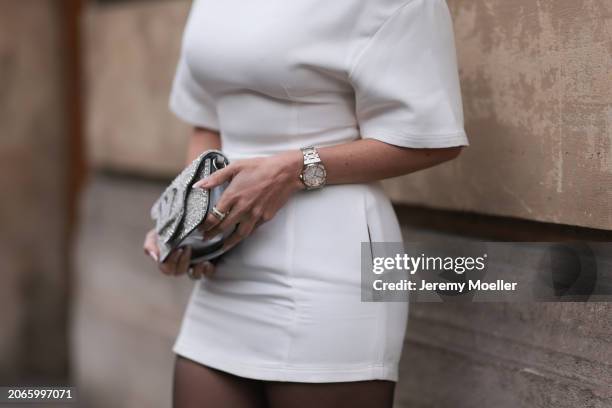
x: 507, y: 355
x: 536, y: 77
x: 126, y: 312
x: 33, y: 216
x: 131, y: 55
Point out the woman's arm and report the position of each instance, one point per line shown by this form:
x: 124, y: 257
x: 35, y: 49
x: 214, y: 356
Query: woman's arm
x: 200, y: 141
x: 368, y: 160
x: 261, y: 186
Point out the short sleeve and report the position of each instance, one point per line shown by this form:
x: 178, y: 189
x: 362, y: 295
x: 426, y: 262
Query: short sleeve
x: 190, y: 101
x: 406, y: 80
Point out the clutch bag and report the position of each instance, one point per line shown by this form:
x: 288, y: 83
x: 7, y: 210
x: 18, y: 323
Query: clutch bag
x: 181, y: 208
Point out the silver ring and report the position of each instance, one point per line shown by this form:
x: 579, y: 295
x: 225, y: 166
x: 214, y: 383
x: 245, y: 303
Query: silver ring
x: 190, y: 273
x: 218, y: 214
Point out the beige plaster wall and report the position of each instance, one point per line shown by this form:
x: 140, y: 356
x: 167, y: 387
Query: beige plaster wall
x: 536, y: 77
x: 132, y: 49
x: 33, y: 177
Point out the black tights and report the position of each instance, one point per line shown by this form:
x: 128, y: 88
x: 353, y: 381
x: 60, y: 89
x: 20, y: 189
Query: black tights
x: 198, y: 386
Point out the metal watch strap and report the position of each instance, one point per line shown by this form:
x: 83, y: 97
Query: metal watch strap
x: 312, y: 160
x: 311, y: 155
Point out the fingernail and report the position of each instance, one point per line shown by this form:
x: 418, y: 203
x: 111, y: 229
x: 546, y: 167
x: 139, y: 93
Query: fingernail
x: 153, y: 255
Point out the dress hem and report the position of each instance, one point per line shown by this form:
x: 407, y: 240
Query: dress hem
x: 286, y: 373
x: 416, y: 140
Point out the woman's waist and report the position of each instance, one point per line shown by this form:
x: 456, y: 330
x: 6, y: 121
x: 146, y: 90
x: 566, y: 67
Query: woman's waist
x: 337, y: 209
x: 238, y: 147
x: 318, y: 233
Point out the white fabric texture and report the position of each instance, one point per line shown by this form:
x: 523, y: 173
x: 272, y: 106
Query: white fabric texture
x: 275, y: 75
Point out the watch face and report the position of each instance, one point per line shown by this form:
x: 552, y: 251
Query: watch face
x: 314, y: 175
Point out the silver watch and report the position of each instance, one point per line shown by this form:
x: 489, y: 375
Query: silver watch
x: 313, y: 173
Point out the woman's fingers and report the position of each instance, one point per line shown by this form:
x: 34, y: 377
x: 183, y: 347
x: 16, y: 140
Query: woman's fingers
x: 168, y: 267
x: 183, y: 262
x: 209, y: 269
x: 237, y: 215
x: 225, y: 203
x: 178, y: 261
x: 150, y: 245
x: 203, y: 269
x: 199, y: 271
x: 243, y: 230
x: 211, y: 220
x: 217, y: 178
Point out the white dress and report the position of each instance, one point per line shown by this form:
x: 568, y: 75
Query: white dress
x: 275, y: 75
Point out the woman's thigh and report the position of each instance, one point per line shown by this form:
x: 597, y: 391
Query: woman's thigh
x: 370, y: 394
x: 198, y: 386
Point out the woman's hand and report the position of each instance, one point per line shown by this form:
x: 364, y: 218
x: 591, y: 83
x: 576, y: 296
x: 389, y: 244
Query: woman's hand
x: 259, y: 188
x: 178, y: 262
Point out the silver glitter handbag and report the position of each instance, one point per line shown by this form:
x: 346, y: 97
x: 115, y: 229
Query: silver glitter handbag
x: 181, y: 208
